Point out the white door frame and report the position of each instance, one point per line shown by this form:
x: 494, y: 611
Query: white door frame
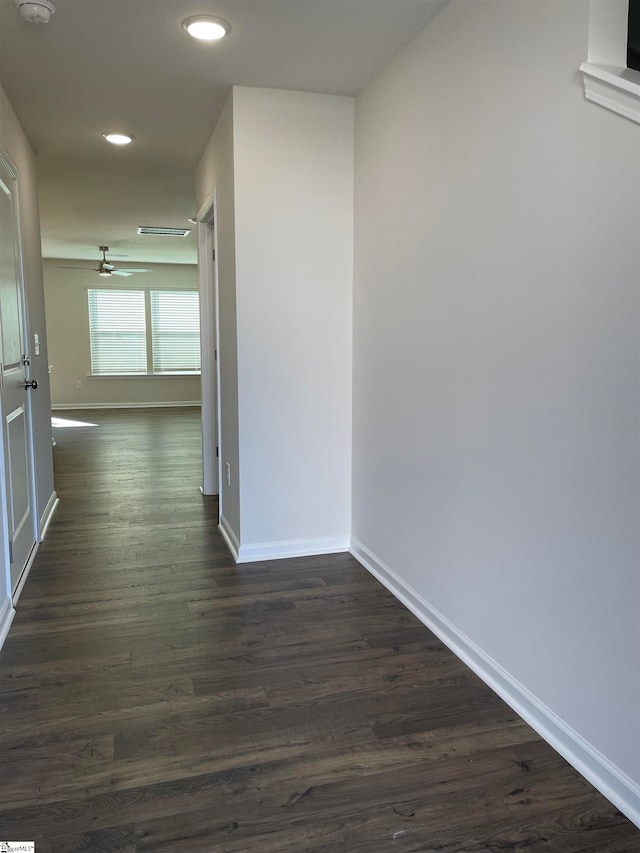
x: 209, y: 349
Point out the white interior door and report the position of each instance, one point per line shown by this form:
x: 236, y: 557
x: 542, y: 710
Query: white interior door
x: 16, y: 421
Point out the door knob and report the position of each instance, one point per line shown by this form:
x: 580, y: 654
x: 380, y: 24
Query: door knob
x: 31, y: 383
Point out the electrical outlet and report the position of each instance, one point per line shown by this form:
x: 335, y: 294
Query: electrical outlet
x: 228, y: 470
x: 79, y: 385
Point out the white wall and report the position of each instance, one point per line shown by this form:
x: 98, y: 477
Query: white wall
x: 496, y: 358
x: 70, y: 347
x: 293, y: 166
x: 216, y: 171
x: 14, y: 142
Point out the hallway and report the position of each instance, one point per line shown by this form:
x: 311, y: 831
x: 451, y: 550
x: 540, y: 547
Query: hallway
x: 154, y: 697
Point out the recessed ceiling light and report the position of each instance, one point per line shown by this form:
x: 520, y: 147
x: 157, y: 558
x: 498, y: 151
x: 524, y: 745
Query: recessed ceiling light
x: 206, y: 28
x: 193, y: 221
x: 118, y: 138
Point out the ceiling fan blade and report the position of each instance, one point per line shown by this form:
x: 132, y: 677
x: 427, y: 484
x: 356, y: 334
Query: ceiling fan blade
x: 86, y: 269
x: 132, y: 270
x: 120, y: 272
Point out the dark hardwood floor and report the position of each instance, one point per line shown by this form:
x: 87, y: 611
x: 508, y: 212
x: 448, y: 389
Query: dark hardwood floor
x: 155, y: 697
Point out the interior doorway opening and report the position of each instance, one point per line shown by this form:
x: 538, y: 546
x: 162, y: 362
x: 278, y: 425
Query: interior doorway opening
x: 209, y: 335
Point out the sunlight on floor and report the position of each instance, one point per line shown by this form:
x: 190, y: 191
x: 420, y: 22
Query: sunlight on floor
x: 63, y: 422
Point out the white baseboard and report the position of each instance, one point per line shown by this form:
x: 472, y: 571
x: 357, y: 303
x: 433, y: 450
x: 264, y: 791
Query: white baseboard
x: 291, y: 548
x: 612, y: 782
x: 25, y: 573
x: 47, y: 515
x: 45, y: 520
x: 279, y: 550
x: 229, y: 537
x: 180, y: 404
x: 7, y: 612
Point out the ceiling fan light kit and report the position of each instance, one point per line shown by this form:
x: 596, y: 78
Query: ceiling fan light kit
x: 36, y: 12
x: 105, y: 269
x: 206, y: 27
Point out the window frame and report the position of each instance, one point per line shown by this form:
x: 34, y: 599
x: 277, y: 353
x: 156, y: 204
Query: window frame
x: 149, y: 374
x: 607, y: 79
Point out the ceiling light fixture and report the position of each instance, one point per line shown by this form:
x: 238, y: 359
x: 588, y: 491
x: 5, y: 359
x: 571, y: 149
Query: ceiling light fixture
x: 206, y: 27
x: 118, y: 138
x: 38, y: 12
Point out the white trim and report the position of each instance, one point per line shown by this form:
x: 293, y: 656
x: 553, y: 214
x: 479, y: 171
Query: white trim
x: 208, y: 281
x: 7, y: 612
x: 166, y: 374
x: 617, y: 89
x: 615, y: 785
x: 175, y: 405
x: 44, y: 522
x: 229, y: 537
x: 25, y: 573
x: 292, y: 548
x: 47, y: 515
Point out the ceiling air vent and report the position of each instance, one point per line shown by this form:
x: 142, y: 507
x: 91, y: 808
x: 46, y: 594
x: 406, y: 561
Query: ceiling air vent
x: 163, y: 232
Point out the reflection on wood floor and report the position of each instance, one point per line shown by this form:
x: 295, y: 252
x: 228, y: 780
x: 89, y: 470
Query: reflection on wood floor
x: 155, y: 697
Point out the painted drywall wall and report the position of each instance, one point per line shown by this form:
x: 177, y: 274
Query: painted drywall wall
x: 496, y: 355
x: 15, y: 144
x: 293, y: 154
x: 69, y: 344
x: 216, y: 171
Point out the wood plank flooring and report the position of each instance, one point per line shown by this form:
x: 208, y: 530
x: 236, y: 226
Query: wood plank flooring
x: 156, y: 698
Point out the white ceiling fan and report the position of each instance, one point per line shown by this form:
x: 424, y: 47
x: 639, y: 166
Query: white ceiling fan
x: 104, y: 268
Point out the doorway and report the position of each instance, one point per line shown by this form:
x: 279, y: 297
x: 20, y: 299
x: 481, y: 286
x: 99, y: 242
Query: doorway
x: 209, y: 335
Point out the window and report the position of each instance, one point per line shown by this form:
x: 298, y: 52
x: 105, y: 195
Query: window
x: 140, y: 332
x: 117, y: 327
x: 175, y: 331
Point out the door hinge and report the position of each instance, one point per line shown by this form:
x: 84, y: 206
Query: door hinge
x: 217, y: 451
x: 10, y: 551
x: 215, y: 354
x: 213, y: 253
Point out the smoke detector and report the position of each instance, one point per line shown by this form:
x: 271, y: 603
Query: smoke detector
x: 35, y: 11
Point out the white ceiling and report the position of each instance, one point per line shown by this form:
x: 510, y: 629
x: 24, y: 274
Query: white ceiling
x: 127, y: 64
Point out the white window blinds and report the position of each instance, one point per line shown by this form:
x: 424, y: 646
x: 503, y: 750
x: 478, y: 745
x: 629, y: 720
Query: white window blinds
x: 118, y: 331
x: 175, y: 331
